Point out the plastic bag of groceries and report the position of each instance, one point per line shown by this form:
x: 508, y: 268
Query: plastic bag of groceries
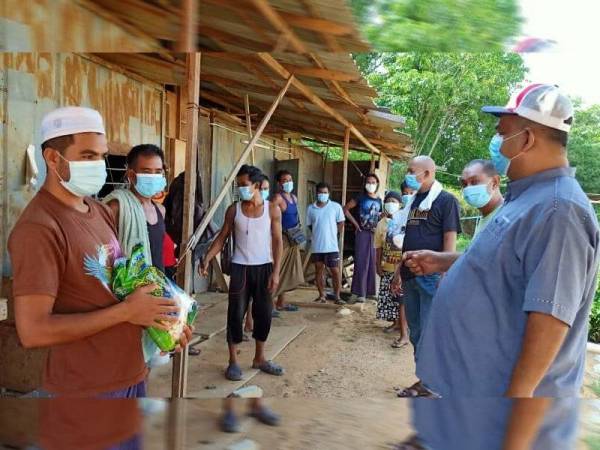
x: 130, y: 274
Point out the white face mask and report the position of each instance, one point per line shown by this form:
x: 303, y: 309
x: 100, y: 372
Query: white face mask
x: 87, y: 177
x: 371, y: 188
x: 392, y: 207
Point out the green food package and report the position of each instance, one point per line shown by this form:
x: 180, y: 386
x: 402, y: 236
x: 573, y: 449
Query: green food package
x: 130, y: 274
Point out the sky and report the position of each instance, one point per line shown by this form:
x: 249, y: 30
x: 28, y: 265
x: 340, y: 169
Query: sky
x: 574, y: 61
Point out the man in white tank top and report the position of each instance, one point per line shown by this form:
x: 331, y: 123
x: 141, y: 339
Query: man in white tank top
x: 255, y: 226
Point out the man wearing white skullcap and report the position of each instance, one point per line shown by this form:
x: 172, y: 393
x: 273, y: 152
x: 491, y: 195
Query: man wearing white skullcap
x: 62, y: 250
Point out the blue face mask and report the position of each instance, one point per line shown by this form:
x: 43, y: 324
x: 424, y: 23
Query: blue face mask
x: 149, y: 184
x: 322, y: 197
x: 477, y: 196
x: 501, y: 162
x: 288, y: 186
x: 406, y: 199
x: 412, y: 182
x: 264, y: 193
x: 246, y: 193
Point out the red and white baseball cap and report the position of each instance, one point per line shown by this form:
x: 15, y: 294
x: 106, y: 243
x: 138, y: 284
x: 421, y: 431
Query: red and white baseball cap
x: 541, y: 103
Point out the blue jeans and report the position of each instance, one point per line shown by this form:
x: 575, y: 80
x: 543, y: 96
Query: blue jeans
x: 417, y: 304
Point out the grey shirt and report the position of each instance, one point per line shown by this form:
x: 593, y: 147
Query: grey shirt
x: 540, y: 253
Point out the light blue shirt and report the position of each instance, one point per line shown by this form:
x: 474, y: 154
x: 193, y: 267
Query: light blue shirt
x: 324, y: 226
x: 540, y: 253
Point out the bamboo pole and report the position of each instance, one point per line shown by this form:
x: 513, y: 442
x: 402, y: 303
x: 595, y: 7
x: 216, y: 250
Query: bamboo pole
x: 184, y: 275
x: 248, y: 122
x: 344, y: 192
x: 225, y: 188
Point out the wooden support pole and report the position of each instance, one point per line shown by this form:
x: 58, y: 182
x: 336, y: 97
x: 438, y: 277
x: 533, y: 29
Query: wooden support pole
x: 344, y: 191
x: 248, y: 122
x: 176, y: 419
x: 185, y: 275
x: 191, y: 243
x: 372, y: 168
x: 187, y: 33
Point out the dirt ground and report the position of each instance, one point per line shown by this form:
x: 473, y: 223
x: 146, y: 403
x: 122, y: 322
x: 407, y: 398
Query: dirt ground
x: 338, y: 357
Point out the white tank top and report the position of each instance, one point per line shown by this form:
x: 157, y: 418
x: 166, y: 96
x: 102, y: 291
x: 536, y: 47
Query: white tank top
x: 252, y: 238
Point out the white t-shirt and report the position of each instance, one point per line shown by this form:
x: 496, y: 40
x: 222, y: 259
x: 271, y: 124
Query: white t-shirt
x: 324, y: 226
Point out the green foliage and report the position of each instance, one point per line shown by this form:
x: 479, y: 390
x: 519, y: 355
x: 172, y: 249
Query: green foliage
x: 584, y: 146
x: 336, y: 153
x: 441, y: 95
x: 438, y: 25
x: 594, y: 333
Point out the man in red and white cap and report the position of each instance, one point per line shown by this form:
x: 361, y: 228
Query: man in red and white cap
x: 510, y: 317
x: 62, y: 249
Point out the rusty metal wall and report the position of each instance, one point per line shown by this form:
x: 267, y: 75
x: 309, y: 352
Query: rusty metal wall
x: 36, y: 83
x: 64, y: 26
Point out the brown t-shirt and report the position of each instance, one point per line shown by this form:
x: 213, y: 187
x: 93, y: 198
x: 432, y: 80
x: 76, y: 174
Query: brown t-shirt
x: 58, y: 251
x: 90, y: 424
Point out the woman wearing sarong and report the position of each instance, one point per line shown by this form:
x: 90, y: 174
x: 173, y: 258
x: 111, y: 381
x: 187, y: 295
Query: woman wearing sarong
x: 291, y: 274
x: 368, y: 208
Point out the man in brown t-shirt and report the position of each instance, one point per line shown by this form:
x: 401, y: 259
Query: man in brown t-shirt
x: 62, y: 249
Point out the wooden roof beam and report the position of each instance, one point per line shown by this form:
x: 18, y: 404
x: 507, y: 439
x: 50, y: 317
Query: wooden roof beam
x: 220, y: 101
x: 330, y: 41
x: 323, y: 26
x: 277, y: 22
x: 233, y: 84
x: 242, y: 13
x: 284, y: 73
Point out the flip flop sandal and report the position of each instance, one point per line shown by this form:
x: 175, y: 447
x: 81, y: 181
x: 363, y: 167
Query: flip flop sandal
x: 270, y: 367
x: 229, y: 423
x: 266, y: 416
x: 289, y: 308
x: 276, y: 314
x: 194, y: 351
x: 415, y: 391
x: 245, y: 338
x: 413, y: 443
x: 339, y: 301
x: 320, y: 300
x: 234, y: 373
x: 398, y: 343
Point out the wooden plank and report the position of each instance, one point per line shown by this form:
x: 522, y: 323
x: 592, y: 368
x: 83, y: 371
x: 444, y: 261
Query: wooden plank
x: 322, y: 73
x: 229, y: 38
x: 211, y: 321
x: 185, y: 274
x: 284, y: 73
x: 3, y: 309
x: 225, y: 188
x: 171, y: 114
x: 208, y: 368
x: 323, y: 26
x: 220, y: 101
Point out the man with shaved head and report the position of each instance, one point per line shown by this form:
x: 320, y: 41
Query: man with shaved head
x: 433, y: 224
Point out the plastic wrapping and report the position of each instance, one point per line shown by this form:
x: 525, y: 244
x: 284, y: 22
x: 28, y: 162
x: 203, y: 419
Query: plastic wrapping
x: 130, y: 274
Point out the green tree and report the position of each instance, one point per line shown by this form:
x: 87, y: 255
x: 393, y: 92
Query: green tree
x: 438, y: 25
x: 441, y: 95
x: 584, y: 146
